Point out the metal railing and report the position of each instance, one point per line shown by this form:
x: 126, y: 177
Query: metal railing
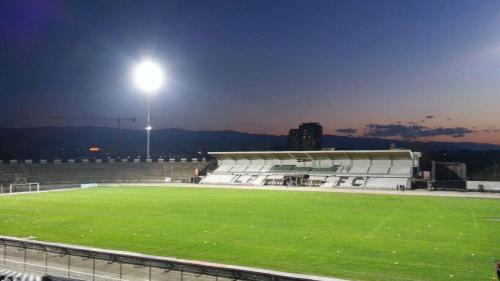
x: 86, y: 263
x: 17, y: 266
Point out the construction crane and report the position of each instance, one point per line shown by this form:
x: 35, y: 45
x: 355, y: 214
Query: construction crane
x: 118, y: 119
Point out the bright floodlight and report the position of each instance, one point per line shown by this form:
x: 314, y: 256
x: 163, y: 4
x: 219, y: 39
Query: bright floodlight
x: 148, y: 76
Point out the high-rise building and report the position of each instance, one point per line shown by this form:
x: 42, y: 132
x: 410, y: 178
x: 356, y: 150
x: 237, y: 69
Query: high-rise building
x: 307, y: 137
x: 312, y: 134
x: 294, y: 139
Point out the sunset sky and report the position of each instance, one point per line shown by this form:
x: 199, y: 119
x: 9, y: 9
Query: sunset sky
x: 428, y: 70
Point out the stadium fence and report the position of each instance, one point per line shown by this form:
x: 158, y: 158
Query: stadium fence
x: 86, y: 263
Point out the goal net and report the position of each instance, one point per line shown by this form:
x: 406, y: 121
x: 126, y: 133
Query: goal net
x: 23, y: 187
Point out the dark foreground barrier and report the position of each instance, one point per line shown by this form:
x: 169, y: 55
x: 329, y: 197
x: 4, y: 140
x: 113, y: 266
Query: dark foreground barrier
x: 450, y: 184
x: 9, y: 275
x: 86, y: 263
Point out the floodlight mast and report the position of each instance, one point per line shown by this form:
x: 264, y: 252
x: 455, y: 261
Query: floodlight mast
x: 148, y: 129
x: 148, y: 77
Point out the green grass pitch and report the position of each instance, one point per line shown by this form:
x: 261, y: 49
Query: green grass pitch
x: 352, y: 236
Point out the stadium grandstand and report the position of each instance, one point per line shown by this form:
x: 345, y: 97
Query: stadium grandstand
x: 60, y: 172
x: 377, y: 169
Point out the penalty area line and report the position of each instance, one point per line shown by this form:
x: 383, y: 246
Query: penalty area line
x: 384, y: 221
x: 475, y: 220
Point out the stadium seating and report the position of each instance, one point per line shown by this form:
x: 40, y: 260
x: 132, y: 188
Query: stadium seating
x: 238, y: 168
x: 254, y: 168
x: 242, y: 179
x: 326, y: 171
x: 274, y: 180
x: 224, y: 168
x: 266, y: 168
x: 345, y: 181
x: 386, y: 183
x: 359, y: 170
x: 11, y: 275
x: 400, y: 170
x: 11, y: 173
x: 344, y: 169
x: 18, y: 276
x: 218, y: 179
x: 350, y: 169
x: 374, y: 170
x: 116, y: 172
x: 257, y: 180
x: 315, y: 180
x: 281, y: 168
x: 301, y: 169
x: 382, y: 177
x: 330, y: 182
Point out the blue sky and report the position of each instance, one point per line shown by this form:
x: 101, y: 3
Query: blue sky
x: 258, y: 66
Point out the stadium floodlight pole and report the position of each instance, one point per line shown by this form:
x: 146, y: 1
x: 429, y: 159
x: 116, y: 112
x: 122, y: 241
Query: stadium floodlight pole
x: 148, y: 128
x: 148, y: 77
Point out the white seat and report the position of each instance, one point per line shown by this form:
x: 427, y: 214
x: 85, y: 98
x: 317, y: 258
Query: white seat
x: 358, y: 170
x: 238, y: 168
x: 375, y: 170
x: 398, y: 170
x: 224, y: 168
x: 241, y: 179
x: 317, y: 178
x: 330, y: 182
x: 275, y: 177
x: 254, y: 168
x: 217, y: 179
x: 259, y: 180
x: 386, y: 183
x: 266, y: 168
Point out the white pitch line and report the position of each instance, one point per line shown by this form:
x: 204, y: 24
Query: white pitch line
x: 475, y: 220
x: 384, y: 221
x: 41, y: 191
x: 416, y: 192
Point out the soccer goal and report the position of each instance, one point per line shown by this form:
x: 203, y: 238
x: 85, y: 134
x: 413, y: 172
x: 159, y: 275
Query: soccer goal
x: 24, y: 187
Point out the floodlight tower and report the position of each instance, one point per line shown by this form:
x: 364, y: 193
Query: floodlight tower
x: 148, y: 77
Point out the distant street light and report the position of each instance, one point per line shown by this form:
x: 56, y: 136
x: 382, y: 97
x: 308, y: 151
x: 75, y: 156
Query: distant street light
x: 149, y: 78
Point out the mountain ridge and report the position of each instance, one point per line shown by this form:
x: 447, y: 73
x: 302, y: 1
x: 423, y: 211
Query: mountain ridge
x: 50, y: 142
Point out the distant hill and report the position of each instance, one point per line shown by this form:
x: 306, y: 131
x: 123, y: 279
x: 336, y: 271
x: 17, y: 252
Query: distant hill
x: 342, y: 142
x: 72, y: 142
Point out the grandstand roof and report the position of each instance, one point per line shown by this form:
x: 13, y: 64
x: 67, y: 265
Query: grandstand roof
x: 315, y: 154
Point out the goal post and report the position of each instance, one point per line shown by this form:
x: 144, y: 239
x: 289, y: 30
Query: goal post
x: 24, y: 187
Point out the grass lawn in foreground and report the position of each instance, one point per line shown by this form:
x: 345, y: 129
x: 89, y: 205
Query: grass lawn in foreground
x: 352, y: 236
